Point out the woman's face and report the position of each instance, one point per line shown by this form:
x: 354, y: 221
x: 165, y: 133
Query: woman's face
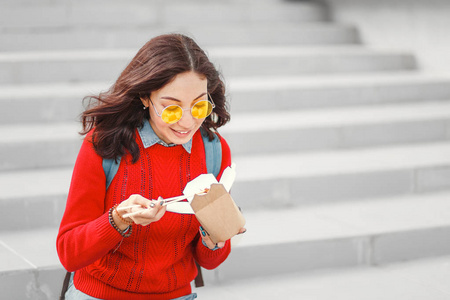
x: 184, y: 90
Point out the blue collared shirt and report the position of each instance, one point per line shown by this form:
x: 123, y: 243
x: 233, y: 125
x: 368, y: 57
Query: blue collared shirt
x: 149, y: 138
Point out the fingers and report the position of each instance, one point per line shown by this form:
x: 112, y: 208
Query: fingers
x: 141, y: 210
x: 206, y: 239
x: 160, y: 213
x: 242, y: 230
x: 152, y: 213
x: 134, y: 201
x: 209, y: 243
x: 148, y: 213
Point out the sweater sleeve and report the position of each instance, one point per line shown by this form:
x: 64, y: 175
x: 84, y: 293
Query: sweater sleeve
x: 85, y: 234
x: 207, y: 258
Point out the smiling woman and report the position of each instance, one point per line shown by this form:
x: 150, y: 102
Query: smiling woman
x: 112, y: 251
x: 157, y: 65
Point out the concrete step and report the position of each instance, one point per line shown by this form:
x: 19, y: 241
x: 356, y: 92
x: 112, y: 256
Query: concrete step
x: 330, y: 176
x: 33, y: 146
x: 340, y: 235
x: 106, y: 64
x: 412, y: 280
x: 63, y: 101
x: 288, y: 179
x: 46, y: 15
x: 338, y: 128
x: 260, y: 93
x: 264, y: 33
x: 278, y: 241
x: 34, y: 198
x: 57, y: 144
x: 30, y: 268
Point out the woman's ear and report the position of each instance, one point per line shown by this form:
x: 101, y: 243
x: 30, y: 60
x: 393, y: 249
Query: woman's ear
x: 145, y: 101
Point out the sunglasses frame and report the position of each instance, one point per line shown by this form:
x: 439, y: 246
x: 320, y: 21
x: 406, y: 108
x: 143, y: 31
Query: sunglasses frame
x: 210, y: 100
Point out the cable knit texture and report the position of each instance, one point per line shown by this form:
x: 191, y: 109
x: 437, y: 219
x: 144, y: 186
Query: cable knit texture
x: 156, y: 261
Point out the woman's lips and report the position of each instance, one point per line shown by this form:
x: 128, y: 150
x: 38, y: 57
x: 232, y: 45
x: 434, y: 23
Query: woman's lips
x: 181, y: 133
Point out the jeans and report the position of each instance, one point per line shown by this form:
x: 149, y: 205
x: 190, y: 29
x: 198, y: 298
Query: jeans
x: 187, y: 297
x: 74, y: 294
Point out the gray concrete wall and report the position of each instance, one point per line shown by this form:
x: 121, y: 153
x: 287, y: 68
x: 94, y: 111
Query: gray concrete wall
x: 419, y: 26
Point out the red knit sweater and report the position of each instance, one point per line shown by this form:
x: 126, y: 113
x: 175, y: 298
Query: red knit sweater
x: 156, y: 261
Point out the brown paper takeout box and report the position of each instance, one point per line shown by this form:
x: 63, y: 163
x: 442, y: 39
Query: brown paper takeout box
x: 218, y: 214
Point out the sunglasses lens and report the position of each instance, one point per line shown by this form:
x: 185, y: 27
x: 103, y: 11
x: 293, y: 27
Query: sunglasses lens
x: 201, y: 109
x: 172, y: 114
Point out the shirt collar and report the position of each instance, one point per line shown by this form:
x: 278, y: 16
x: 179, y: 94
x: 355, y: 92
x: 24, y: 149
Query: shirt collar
x: 149, y: 138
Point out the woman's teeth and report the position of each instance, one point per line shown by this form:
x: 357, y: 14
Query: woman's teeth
x: 182, y: 132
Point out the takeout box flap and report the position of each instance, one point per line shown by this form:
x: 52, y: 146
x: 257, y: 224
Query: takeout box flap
x: 204, y: 181
x: 228, y: 177
x: 198, y: 185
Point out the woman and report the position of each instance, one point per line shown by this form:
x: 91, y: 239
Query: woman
x: 118, y: 242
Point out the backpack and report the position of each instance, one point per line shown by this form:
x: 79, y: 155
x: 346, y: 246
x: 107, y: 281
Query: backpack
x: 213, y: 157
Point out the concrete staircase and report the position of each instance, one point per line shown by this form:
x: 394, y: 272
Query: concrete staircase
x: 342, y: 150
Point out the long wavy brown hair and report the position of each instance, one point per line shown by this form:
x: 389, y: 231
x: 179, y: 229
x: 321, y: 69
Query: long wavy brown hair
x: 114, y: 115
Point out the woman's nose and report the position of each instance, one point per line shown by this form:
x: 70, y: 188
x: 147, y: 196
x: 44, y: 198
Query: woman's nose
x: 186, y: 120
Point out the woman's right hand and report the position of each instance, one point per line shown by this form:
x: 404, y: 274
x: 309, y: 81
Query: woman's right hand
x: 152, y: 211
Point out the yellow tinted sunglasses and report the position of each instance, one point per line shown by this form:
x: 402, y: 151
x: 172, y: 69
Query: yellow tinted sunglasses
x: 173, y: 113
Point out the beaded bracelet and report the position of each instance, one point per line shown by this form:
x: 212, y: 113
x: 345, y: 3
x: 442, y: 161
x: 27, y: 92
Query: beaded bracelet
x: 120, y: 216
x: 125, y: 233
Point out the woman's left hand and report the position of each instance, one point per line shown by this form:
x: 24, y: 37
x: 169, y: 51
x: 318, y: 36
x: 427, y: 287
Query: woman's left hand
x: 209, y: 243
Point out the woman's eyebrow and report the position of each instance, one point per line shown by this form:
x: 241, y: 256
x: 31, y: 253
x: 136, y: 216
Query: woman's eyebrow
x: 175, y: 99
x: 199, y: 96
x: 170, y: 98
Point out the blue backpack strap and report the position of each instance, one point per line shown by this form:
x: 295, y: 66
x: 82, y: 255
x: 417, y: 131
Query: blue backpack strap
x: 213, y: 156
x: 213, y: 153
x: 110, y: 167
